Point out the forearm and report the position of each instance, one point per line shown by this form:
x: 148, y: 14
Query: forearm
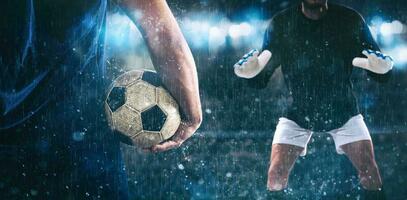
x: 170, y: 55
x: 173, y: 60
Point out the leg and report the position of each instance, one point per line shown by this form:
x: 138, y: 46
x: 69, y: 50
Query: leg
x: 289, y: 141
x: 361, y: 155
x: 283, y: 157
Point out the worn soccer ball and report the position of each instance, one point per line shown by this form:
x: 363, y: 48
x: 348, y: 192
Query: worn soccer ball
x: 140, y: 109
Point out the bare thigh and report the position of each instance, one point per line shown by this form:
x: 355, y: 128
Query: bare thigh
x: 283, y: 157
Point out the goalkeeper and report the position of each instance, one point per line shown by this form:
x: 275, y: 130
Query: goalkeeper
x: 317, y: 53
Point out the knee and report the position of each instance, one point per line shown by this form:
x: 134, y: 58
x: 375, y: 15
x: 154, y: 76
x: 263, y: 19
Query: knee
x: 277, y: 178
x: 276, y: 183
x: 276, y: 186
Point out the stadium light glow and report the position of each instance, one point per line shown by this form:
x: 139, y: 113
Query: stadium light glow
x: 385, y: 29
x: 217, y: 37
x: 400, y: 55
x: 240, y: 30
x: 234, y: 31
x: 376, y: 21
x: 395, y: 27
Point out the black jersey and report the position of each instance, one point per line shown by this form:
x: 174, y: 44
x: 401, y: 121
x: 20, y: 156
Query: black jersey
x: 316, y: 61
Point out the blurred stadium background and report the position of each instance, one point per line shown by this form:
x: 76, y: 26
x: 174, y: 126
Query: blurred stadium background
x: 220, y: 32
x: 229, y: 156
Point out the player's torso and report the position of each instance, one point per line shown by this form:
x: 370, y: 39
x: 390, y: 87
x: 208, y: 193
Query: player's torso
x: 317, y: 64
x: 36, y: 34
x: 50, y: 49
x: 316, y: 53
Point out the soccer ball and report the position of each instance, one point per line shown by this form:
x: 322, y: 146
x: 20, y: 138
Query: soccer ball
x: 140, y: 109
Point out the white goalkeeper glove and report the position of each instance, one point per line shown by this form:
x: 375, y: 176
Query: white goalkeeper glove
x: 376, y: 62
x: 252, y: 63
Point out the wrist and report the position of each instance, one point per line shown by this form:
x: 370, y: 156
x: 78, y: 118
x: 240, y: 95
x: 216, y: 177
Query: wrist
x: 192, y: 122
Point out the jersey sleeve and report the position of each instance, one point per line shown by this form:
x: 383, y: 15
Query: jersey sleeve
x: 271, y: 43
x: 365, y: 41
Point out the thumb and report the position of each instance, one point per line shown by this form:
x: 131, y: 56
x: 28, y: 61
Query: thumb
x: 264, y: 58
x: 361, y: 62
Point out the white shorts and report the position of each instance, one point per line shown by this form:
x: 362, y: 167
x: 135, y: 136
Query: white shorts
x: 289, y: 132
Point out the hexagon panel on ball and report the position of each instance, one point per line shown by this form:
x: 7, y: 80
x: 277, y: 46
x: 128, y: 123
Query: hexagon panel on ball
x: 127, y: 121
x: 140, y: 109
x: 140, y: 96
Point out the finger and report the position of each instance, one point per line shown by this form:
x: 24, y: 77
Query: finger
x: 380, y: 55
x: 366, y: 53
x: 166, y: 146
x: 241, y: 62
x: 361, y: 62
x: 371, y: 55
x: 264, y: 58
x: 246, y: 56
x: 250, y: 54
x: 253, y: 57
x: 377, y: 57
x: 383, y: 56
x: 370, y: 51
x: 374, y: 55
x: 170, y: 144
x: 389, y: 58
x: 255, y: 54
